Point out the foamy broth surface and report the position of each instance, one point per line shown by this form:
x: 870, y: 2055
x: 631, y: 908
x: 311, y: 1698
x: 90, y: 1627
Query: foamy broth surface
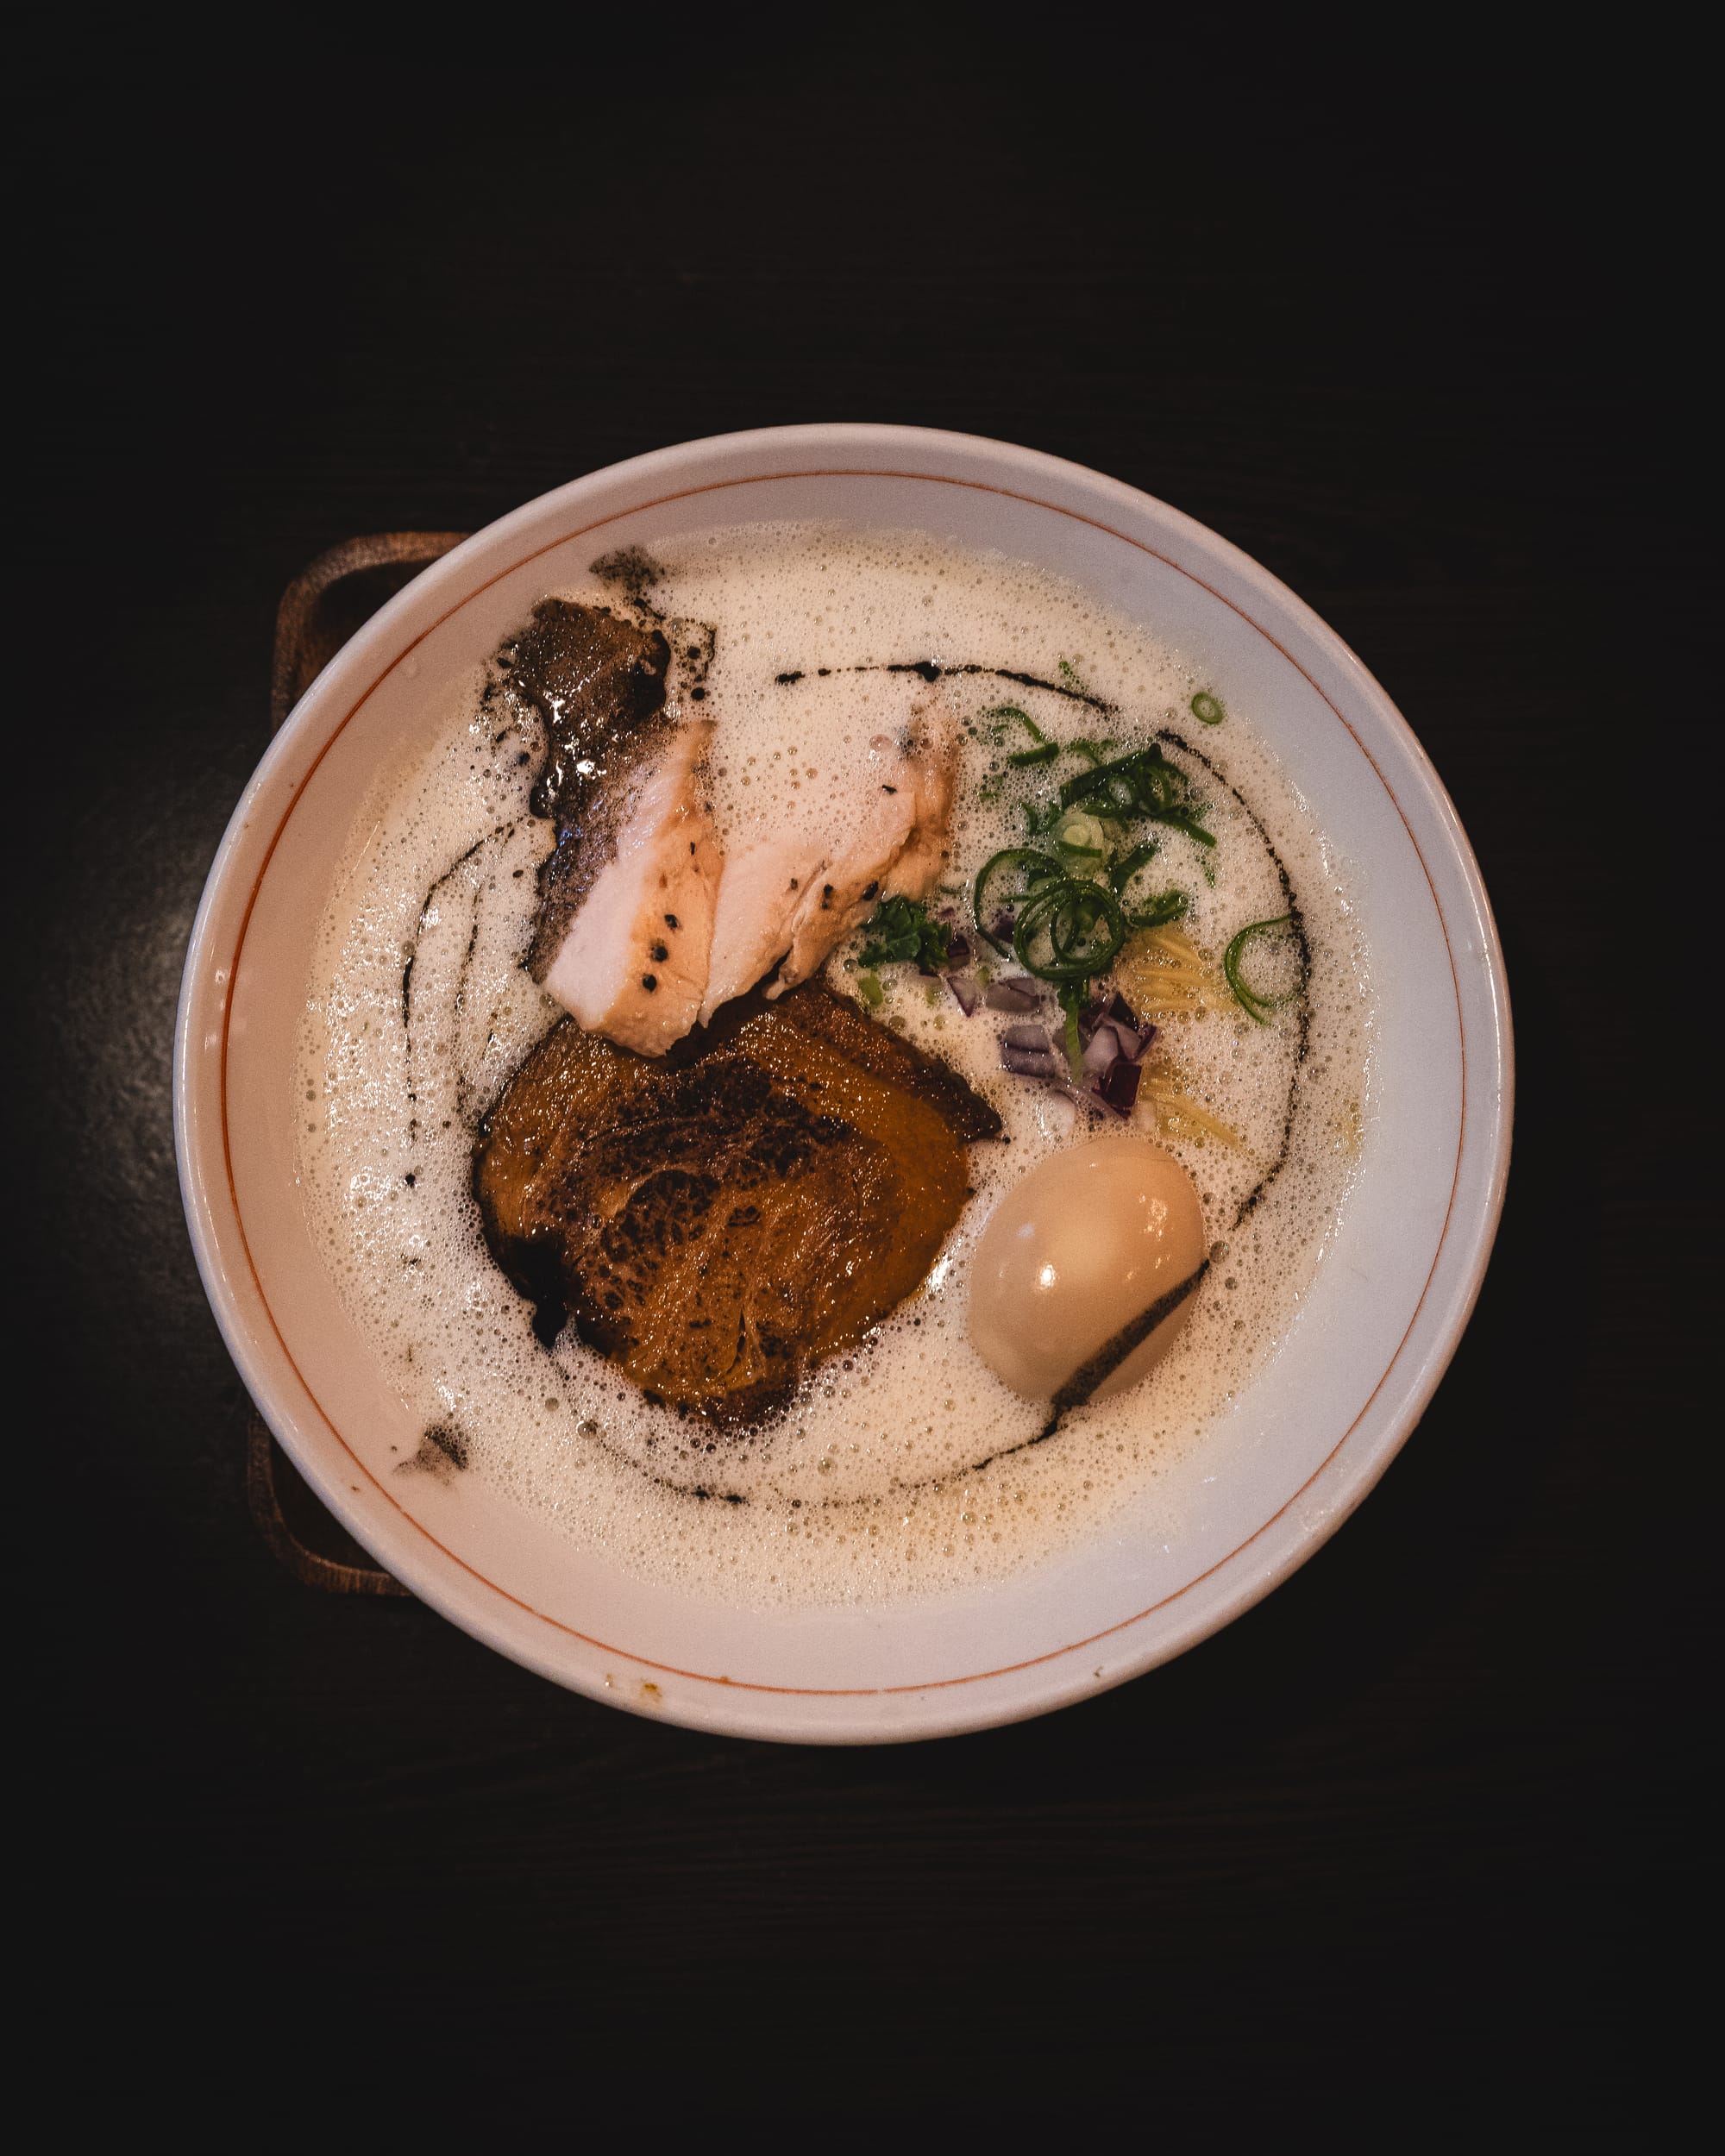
x: 895, y: 1470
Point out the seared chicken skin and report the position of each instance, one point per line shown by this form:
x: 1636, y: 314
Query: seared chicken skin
x: 626, y: 898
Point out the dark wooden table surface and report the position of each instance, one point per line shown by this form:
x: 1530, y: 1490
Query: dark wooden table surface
x: 1416, y: 1818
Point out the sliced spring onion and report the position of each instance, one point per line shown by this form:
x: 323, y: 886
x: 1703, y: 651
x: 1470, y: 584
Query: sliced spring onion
x: 1083, y: 925
x: 1006, y: 714
x: 1157, y: 912
x: 1208, y: 709
x: 1145, y: 786
x: 1121, y: 872
x: 994, y: 887
x: 1080, y: 841
x: 1072, y: 1000
x: 1039, y: 822
x: 1153, y: 912
x: 1255, y: 1005
x: 1193, y: 830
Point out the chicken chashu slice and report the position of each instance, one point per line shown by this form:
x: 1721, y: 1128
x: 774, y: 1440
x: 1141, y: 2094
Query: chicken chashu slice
x: 632, y: 961
x: 626, y: 898
x: 896, y: 846
x: 762, y: 889
x: 715, y: 1223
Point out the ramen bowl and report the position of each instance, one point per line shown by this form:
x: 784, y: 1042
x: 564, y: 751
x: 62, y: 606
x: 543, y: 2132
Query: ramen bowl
x: 1297, y: 1449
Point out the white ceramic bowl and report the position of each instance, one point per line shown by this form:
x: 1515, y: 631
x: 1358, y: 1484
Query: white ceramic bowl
x: 1298, y: 1452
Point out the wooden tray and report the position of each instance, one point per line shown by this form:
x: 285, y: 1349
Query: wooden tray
x: 323, y: 606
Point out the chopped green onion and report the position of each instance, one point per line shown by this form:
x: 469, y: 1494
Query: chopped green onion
x: 1208, y: 710
x: 1073, y: 997
x: 1254, y: 1004
x: 902, y: 930
x: 1193, y: 829
x: 1121, y: 872
x: 983, y: 901
x: 872, y: 993
x: 1070, y: 676
x: 1045, y: 753
x: 1006, y: 712
x: 1094, y: 752
x: 1080, y: 841
x: 1084, y: 925
x: 1144, y: 785
x: 1157, y: 912
x: 1160, y: 911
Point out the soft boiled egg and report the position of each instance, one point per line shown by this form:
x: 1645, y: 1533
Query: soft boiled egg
x: 1077, y: 1261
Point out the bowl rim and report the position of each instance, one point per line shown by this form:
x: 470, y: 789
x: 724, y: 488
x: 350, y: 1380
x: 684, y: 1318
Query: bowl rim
x: 1261, y: 1560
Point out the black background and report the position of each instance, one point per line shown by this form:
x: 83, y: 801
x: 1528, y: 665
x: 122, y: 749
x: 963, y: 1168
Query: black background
x: 1415, y: 340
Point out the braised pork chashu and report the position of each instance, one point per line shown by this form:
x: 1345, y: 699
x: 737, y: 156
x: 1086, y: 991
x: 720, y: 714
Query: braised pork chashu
x: 717, y: 1222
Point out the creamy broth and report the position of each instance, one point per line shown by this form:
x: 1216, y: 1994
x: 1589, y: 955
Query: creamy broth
x: 905, y: 1466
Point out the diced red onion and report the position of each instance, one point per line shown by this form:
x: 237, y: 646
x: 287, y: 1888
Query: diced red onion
x: 965, y: 992
x: 1031, y: 1063
x: 1134, y: 1045
x: 1017, y: 994
x: 1103, y: 1050
x: 1027, y: 1052
x: 1119, y: 1083
x: 1118, y: 1015
x: 1130, y: 1043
